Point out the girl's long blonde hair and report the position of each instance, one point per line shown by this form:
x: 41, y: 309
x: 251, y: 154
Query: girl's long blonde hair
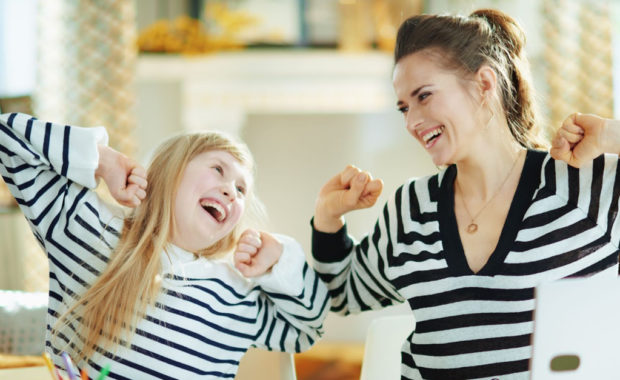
x: 111, y: 308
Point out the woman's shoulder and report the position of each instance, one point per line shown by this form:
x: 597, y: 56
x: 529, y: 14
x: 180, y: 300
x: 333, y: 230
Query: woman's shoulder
x: 418, y: 195
x: 427, y: 184
x: 600, y: 166
x: 596, y: 177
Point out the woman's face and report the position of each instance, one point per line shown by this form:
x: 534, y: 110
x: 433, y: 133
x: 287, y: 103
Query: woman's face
x: 439, y: 108
x: 210, y: 199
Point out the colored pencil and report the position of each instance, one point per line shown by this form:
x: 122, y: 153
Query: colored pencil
x: 71, y: 373
x: 49, y: 364
x: 104, y: 372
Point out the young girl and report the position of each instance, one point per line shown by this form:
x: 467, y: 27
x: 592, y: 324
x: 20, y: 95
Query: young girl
x: 152, y: 295
x: 467, y: 247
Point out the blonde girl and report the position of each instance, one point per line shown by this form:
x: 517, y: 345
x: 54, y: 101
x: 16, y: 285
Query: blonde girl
x: 154, y: 295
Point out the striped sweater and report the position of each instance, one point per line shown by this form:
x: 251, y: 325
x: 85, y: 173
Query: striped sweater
x: 207, y: 314
x: 562, y: 222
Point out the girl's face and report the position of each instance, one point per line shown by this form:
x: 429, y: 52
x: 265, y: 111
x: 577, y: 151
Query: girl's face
x: 439, y: 110
x: 210, y: 199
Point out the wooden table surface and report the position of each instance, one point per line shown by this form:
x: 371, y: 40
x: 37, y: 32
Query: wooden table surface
x: 26, y: 373
x: 16, y: 361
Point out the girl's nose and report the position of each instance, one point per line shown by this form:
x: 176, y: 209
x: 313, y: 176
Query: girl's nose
x: 228, y: 190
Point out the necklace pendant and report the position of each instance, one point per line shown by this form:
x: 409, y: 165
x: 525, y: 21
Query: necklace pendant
x: 472, y: 228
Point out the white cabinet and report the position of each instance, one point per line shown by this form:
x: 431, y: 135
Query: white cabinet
x: 220, y: 90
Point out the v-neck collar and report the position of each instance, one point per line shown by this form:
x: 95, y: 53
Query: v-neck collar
x: 529, y: 180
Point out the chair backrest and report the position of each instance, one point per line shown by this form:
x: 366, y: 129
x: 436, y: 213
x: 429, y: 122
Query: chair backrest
x: 382, y: 351
x: 259, y: 364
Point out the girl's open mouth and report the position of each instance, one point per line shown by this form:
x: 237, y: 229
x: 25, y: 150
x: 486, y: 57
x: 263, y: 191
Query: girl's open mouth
x: 215, y: 209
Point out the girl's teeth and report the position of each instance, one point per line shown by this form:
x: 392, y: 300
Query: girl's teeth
x: 219, y: 211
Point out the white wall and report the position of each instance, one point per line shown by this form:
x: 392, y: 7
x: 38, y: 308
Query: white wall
x: 296, y: 154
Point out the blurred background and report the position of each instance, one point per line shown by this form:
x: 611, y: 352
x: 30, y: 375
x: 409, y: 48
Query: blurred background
x: 305, y: 83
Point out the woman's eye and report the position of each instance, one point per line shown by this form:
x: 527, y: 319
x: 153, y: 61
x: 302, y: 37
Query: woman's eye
x: 403, y: 109
x: 241, y: 190
x: 218, y: 169
x: 423, y: 96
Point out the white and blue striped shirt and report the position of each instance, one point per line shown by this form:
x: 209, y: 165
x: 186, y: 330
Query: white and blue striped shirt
x: 563, y: 222
x: 207, y: 314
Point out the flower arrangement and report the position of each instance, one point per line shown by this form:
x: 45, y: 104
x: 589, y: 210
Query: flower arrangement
x: 187, y: 35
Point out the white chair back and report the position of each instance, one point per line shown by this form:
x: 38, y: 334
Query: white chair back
x: 382, y: 351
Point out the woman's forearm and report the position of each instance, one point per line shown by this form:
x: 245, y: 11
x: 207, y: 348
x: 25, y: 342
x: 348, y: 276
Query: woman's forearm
x: 611, y: 136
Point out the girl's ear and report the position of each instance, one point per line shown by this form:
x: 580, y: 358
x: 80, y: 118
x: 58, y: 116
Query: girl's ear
x: 486, y: 79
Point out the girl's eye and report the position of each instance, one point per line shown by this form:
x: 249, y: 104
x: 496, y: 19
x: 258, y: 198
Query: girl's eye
x: 218, y: 169
x: 403, y: 109
x: 241, y: 190
x: 423, y: 96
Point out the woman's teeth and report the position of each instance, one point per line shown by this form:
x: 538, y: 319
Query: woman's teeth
x: 434, y: 133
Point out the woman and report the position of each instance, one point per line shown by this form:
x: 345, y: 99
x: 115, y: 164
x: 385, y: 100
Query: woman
x: 467, y: 246
x: 153, y: 295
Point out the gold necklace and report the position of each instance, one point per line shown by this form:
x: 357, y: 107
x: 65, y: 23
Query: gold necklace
x: 473, y: 226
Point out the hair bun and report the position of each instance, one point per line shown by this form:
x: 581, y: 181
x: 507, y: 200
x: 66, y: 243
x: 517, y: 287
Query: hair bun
x: 505, y: 28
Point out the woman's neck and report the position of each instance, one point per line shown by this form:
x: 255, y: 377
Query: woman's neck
x: 484, y: 172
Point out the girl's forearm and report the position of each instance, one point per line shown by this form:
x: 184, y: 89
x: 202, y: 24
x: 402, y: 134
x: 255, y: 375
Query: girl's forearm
x: 103, y: 162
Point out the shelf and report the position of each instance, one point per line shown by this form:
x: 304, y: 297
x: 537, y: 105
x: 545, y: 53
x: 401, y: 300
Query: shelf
x: 223, y: 88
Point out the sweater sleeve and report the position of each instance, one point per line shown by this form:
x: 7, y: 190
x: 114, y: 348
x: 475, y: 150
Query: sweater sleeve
x: 599, y: 193
x: 49, y: 169
x: 355, y: 272
x: 295, y: 302
x: 593, y: 188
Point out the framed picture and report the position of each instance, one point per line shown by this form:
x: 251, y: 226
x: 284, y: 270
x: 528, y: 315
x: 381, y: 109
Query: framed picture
x: 273, y: 22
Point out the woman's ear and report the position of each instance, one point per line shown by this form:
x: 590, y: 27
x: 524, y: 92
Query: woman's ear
x: 486, y: 79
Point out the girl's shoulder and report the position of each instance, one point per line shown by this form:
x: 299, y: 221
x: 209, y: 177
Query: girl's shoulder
x: 183, y: 267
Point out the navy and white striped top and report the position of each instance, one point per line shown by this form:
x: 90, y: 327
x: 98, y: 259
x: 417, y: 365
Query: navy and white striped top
x: 562, y: 222
x: 207, y: 314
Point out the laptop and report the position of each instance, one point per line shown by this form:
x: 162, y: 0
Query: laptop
x: 577, y: 330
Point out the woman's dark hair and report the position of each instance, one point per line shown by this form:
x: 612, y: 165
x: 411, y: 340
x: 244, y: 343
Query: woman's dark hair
x: 490, y: 37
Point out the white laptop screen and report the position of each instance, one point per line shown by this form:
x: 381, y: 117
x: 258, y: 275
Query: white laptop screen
x: 577, y: 330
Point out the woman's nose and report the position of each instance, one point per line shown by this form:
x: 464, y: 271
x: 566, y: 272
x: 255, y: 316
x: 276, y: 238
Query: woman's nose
x: 413, y: 119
